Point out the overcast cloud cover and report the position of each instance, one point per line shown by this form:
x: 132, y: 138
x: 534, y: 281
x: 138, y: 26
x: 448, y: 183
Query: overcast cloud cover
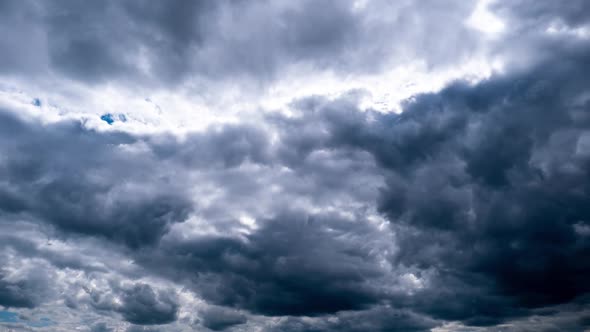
x: 301, y: 166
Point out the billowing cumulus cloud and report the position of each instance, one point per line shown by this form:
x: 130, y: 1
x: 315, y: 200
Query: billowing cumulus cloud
x: 141, y: 305
x: 140, y: 192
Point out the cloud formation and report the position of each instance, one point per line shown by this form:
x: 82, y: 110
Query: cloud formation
x: 467, y: 211
x: 169, y: 43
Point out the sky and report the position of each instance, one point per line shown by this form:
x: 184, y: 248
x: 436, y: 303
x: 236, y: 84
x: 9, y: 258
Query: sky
x: 295, y: 166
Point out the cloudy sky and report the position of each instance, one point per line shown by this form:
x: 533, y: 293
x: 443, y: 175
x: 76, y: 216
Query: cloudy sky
x: 297, y: 166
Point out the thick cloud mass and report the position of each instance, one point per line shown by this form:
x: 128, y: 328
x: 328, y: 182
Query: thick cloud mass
x: 499, y: 201
x: 141, y: 305
x: 86, y: 193
x: 17, y: 294
x: 467, y: 211
x: 168, y: 43
x: 218, y: 319
x: 280, y: 269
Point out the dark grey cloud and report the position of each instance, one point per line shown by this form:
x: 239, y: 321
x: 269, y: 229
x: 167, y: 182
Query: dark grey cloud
x: 27, y: 287
x: 136, y: 303
x: 486, y: 186
x: 379, y: 319
x: 477, y: 174
x: 281, y: 268
x: 81, y: 43
x: 573, y: 14
x: 62, y: 260
x: 470, y: 208
x: 136, y: 328
x: 469, y: 182
x: 498, y: 191
x: 219, y: 319
x: 570, y: 317
x: 93, y: 183
x: 538, y: 28
x: 144, y: 306
x: 228, y: 146
x: 132, y: 41
x: 100, y: 327
x: 18, y: 293
x: 66, y: 175
x: 18, y: 57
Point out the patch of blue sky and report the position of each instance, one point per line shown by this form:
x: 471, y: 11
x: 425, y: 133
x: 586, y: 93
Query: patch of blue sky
x: 13, y: 317
x: 108, y: 118
x: 111, y: 118
x: 8, y: 317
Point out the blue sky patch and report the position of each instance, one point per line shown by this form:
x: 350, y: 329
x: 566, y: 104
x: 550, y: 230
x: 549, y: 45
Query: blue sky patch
x: 12, y: 317
x: 8, y: 317
x: 108, y: 118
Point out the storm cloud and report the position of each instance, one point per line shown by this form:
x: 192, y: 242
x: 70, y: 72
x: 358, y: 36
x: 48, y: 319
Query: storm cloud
x: 465, y: 207
x: 218, y: 40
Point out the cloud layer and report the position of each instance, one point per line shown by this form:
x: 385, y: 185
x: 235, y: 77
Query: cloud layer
x: 467, y: 211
